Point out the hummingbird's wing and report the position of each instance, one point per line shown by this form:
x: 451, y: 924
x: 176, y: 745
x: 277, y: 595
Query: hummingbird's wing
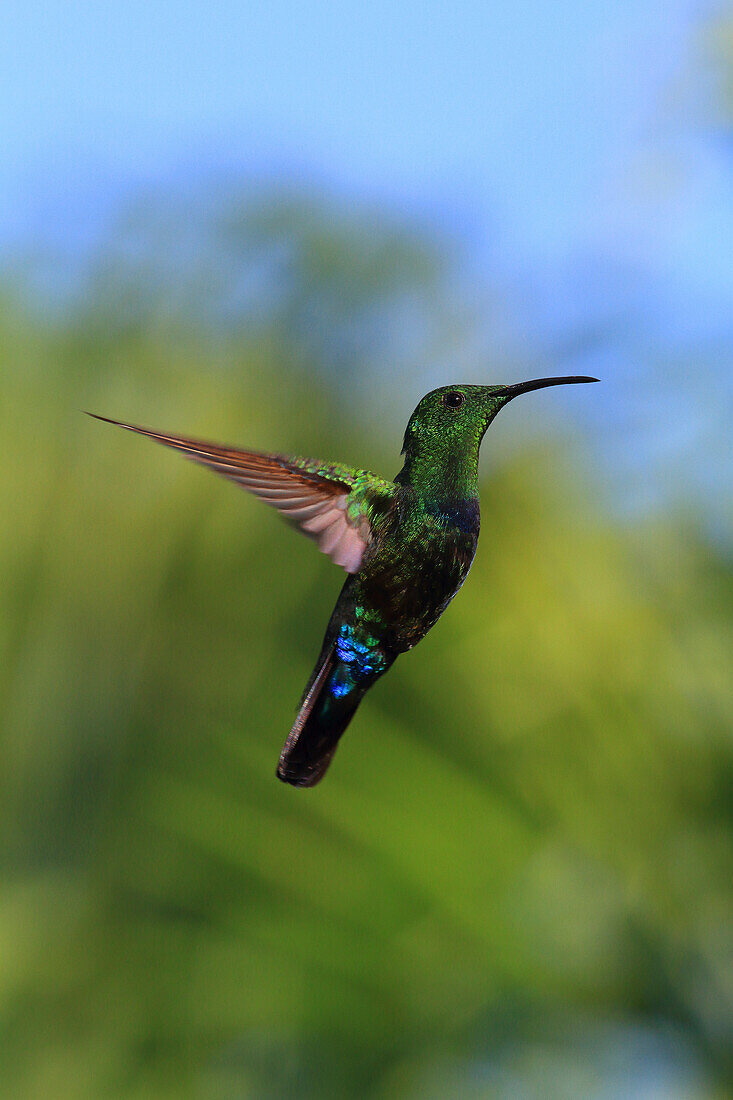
x: 331, y: 503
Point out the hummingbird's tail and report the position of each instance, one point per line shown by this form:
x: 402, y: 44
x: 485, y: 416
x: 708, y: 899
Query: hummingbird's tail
x: 329, y: 704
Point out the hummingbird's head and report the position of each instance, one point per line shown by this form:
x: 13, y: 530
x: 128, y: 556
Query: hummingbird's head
x: 456, y: 417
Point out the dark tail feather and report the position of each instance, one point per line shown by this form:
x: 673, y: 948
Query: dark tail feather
x: 316, y: 731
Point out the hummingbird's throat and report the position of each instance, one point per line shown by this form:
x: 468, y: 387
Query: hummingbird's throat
x: 444, y: 480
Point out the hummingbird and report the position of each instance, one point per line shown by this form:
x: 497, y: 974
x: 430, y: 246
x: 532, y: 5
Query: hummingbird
x: 407, y: 546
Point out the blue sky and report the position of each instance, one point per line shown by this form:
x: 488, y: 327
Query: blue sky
x: 527, y: 110
x: 559, y: 138
x: 536, y: 121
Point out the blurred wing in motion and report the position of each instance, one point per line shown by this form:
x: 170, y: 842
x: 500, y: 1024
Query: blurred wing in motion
x: 331, y: 503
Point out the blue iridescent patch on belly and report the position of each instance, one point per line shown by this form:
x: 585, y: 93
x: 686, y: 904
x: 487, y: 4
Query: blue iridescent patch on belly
x: 359, y: 657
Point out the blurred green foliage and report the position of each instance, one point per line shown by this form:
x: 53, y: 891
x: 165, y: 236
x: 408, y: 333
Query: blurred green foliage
x: 516, y: 878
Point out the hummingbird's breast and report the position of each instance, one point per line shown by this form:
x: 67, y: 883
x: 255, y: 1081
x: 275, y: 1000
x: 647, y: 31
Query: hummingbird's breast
x: 418, y: 560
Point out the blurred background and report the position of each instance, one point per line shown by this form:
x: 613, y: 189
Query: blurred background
x: 279, y: 225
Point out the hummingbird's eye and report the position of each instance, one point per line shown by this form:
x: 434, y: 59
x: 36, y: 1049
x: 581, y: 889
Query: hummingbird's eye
x: 454, y: 400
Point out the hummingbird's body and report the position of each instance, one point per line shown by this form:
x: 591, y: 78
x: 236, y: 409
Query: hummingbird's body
x: 407, y: 545
x: 415, y: 564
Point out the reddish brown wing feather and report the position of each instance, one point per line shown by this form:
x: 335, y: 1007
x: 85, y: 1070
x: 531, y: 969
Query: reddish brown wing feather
x: 317, y: 504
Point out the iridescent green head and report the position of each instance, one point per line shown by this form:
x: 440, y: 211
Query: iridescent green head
x: 446, y: 428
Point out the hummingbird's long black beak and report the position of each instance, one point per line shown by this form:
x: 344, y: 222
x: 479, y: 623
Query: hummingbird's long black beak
x: 539, y: 384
